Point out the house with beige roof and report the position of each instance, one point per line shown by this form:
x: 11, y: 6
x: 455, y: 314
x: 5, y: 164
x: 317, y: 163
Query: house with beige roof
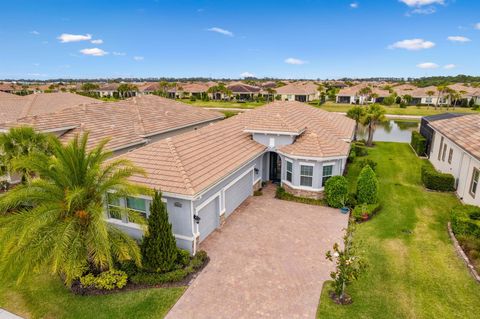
x: 206, y: 174
x: 352, y: 95
x: 128, y: 124
x: 455, y: 149
x: 299, y: 91
x: 13, y: 107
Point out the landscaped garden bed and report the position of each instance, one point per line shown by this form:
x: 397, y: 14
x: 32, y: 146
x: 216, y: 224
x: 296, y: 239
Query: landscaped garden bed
x: 283, y: 195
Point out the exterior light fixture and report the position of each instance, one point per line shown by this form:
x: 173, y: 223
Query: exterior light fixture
x: 196, y: 218
x: 256, y: 170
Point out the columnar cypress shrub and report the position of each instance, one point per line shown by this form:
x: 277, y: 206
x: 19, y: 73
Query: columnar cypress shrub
x: 367, y: 186
x: 159, y: 250
x: 336, y: 191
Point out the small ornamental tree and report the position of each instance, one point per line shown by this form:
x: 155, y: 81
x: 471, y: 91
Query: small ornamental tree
x: 367, y: 186
x: 159, y: 250
x: 336, y: 191
x: 348, y: 268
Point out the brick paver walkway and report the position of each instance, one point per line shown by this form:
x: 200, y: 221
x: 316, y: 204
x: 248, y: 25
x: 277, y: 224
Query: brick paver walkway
x: 267, y: 261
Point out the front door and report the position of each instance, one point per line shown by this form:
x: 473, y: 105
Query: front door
x: 275, y: 167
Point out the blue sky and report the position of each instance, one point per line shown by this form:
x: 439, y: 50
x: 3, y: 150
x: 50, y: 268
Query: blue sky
x: 286, y: 39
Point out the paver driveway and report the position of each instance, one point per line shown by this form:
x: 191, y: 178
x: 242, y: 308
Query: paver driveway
x: 267, y: 260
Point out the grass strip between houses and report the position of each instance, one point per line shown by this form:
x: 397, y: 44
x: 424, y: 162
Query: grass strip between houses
x: 413, y: 270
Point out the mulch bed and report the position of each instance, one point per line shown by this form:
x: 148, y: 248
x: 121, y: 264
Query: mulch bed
x: 77, y: 288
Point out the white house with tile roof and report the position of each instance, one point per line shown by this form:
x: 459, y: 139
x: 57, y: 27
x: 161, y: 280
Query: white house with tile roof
x: 206, y: 174
x: 455, y: 149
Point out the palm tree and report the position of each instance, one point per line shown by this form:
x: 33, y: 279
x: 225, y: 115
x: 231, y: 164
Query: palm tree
x: 430, y: 93
x: 364, y: 92
x: 356, y: 113
x: 20, y: 142
x: 126, y: 89
x: 271, y: 93
x: 441, y: 90
x: 373, y: 116
x: 63, y: 228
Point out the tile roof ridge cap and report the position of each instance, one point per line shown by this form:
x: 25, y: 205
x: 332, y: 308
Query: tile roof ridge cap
x: 139, y: 116
x: 28, y: 106
x: 179, y: 164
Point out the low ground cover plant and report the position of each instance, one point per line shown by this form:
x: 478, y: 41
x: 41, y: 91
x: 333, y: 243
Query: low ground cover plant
x: 281, y: 193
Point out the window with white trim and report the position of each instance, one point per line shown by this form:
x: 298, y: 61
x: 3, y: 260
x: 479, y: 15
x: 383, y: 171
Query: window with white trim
x: 289, y: 171
x: 114, y: 207
x: 474, y: 182
x: 450, y: 156
x: 306, y: 175
x: 327, y: 173
x: 440, y: 148
x: 444, y: 152
x: 137, y: 205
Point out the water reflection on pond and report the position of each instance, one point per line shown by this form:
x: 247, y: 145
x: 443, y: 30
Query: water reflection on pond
x: 392, y: 131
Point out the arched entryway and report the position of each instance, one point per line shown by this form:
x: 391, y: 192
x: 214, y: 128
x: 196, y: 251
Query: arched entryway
x: 275, y: 168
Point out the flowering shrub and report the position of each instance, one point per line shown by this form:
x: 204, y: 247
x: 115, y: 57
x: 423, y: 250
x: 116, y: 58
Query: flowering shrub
x: 107, y: 280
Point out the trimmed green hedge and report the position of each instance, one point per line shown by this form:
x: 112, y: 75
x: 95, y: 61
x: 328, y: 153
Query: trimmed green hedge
x: 154, y: 278
x: 281, y: 193
x: 465, y: 220
x: 336, y: 191
x: 437, y: 181
x: 419, y: 143
x: 369, y: 210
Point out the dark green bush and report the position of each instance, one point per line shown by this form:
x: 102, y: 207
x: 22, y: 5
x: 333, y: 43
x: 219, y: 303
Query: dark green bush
x: 367, y: 186
x: 464, y: 220
x: 418, y: 143
x: 155, y: 278
x: 360, y: 149
x: 437, y: 181
x: 183, y: 258
x: 351, y: 200
x: 365, y: 209
x: 352, y: 155
x: 106, y: 280
x: 366, y: 161
x: 336, y: 191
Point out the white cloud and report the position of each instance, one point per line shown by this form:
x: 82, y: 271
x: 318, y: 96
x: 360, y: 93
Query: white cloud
x: 458, y: 38
x: 247, y: 75
x: 427, y: 65
x: 412, y: 44
x: 294, y: 61
x: 119, y: 53
x: 36, y: 64
x: 138, y: 58
x: 428, y: 10
x: 37, y: 74
x: 221, y: 31
x: 449, y: 66
x: 93, y: 52
x: 354, y: 5
x: 66, y: 37
x: 420, y: 3
x: 477, y: 26
x: 97, y: 41
x: 35, y: 32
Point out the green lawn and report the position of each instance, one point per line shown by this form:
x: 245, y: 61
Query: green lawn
x: 223, y: 104
x: 413, y: 269
x: 45, y: 296
x: 396, y: 110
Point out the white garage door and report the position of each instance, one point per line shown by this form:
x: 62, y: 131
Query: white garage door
x: 238, y: 192
x: 209, y: 216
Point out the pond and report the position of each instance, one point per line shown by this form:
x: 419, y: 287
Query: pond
x: 392, y: 131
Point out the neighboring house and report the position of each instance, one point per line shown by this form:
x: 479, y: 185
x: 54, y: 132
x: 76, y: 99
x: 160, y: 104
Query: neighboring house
x: 148, y: 88
x: 13, y: 107
x: 350, y: 94
x: 204, y: 175
x: 427, y: 131
x: 299, y: 91
x: 195, y: 89
x: 242, y: 91
x: 127, y: 124
x: 456, y: 150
